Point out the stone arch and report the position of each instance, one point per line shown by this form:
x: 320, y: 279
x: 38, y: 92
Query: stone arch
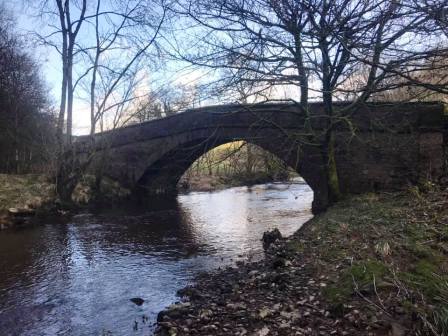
x: 161, y: 176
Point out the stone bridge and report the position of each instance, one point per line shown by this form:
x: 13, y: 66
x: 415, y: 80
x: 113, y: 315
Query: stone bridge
x: 378, y: 146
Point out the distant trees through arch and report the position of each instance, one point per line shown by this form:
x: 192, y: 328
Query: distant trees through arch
x: 235, y: 163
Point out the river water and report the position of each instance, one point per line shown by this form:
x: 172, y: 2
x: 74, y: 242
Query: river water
x: 77, y: 277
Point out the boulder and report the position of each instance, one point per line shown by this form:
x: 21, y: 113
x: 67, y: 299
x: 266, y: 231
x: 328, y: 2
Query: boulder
x: 21, y: 212
x: 269, y: 237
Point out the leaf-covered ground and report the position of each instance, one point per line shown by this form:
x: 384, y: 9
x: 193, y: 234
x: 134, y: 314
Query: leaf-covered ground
x: 375, y: 264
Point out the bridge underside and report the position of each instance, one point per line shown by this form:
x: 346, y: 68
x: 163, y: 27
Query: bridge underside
x: 162, y: 177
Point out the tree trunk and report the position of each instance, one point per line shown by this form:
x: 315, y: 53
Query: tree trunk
x: 249, y: 159
x: 328, y: 146
x: 61, y: 116
x: 62, y: 107
x: 66, y: 179
x: 328, y: 152
x: 303, y: 77
x: 69, y: 93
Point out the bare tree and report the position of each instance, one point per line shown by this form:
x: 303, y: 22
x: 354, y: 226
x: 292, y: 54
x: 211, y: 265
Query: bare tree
x: 112, y: 43
x: 68, y: 29
x: 163, y: 102
x: 102, y: 52
x: 313, y: 46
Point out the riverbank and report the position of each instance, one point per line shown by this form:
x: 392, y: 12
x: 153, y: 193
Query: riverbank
x: 23, y: 197
x: 374, y: 264
x: 219, y: 182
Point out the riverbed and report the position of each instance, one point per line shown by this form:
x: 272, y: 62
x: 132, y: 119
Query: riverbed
x: 76, y: 277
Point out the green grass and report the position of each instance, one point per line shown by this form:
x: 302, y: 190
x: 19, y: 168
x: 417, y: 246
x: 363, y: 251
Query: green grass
x: 359, y: 277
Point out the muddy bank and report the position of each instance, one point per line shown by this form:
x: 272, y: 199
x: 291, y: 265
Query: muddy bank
x: 371, y: 265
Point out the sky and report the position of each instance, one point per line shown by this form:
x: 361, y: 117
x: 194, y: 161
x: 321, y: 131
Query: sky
x: 47, y: 57
x: 50, y: 62
x: 171, y: 72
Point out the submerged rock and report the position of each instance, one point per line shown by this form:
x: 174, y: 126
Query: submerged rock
x: 21, y: 212
x: 138, y: 301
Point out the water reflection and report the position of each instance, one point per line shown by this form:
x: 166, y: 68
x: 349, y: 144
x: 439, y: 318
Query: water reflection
x: 77, y: 277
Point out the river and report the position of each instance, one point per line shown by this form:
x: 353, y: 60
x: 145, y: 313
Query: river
x: 77, y: 277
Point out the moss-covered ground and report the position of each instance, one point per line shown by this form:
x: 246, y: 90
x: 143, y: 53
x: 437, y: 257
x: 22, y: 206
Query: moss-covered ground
x: 385, y: 253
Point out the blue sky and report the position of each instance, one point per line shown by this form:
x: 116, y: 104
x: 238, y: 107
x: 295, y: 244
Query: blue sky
x: 50, y: 61
x: 158, y: 74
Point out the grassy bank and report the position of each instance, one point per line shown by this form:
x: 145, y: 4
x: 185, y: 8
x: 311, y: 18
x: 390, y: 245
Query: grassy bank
x: 24, y: 191
x: 31, y: 193
x: 375, y: 264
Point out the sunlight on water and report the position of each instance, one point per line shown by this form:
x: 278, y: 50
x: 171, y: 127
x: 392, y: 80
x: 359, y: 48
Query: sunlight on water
x: 77, y: 278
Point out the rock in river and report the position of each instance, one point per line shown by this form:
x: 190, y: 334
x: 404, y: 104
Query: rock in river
x: 270, y: 237
x: 138, y: 301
